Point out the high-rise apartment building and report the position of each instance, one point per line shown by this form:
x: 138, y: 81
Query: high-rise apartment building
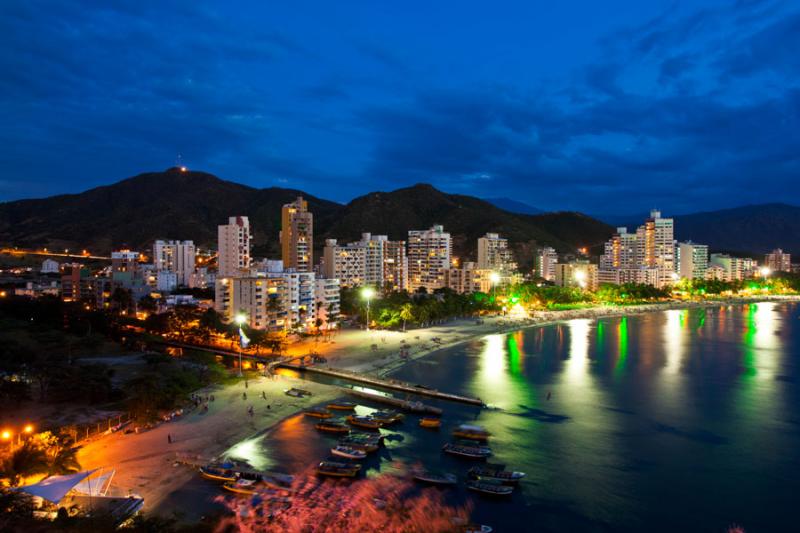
x: 371, y: 261
x: 176, y: 257
x: 262, y: 301
x: 544, y: 263
x: 778, y: 261
x: 297, y: 236
x: 234, y: 243
x: 730, y: 268
x: 692, y: 260
x: 494, y: 254
x: 429, y: 254
x: 580, y: 274
x: 651, y: 247
x: 395, y: 266
x: 347, y: 263
x: 468, y: 278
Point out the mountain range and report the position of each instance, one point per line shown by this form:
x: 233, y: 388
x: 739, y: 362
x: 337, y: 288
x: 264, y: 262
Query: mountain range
x: 177, y: 204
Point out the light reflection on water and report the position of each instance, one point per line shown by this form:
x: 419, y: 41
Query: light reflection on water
x: 680, y: 420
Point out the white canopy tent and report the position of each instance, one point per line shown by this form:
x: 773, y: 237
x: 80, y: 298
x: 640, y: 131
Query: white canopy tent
x: 54, y: 488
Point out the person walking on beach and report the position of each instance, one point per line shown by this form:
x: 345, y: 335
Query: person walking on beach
x: 245, y: 384
x: 264, y: 394
x: 169, y: 438
x: 244, y: 396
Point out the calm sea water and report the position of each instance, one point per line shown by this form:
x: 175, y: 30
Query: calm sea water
x: 683, y: 420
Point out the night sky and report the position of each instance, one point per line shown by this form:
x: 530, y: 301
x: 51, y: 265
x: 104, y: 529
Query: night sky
x: 600, y: 106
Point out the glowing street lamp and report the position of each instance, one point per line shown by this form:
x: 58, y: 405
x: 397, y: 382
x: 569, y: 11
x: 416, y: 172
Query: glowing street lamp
x: 367, y: 293
x: 6, y: 435
x: 580, y: 277
x: 240, y: 319
x: 28, y: 429
x: 765, y: 272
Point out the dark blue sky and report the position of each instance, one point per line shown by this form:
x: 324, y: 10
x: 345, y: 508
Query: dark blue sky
x: 600, y: 106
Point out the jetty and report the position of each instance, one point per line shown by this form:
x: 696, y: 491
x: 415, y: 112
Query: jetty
x: 405, y: 405
x: 390, y: 384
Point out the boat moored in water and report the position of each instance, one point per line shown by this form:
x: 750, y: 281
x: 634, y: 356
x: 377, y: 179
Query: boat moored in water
x: 492, y: 489
x: 218, y: 473
x: 430, y: 422
x: 387, y: 417
x: 349, y: 452
x: 329, y: 426
x: 490, y: 472
x: 342, y: 406
x: 468, y: 431
x: 472, y: 452
x: 434, y: 478
x: 336, y: 469
x: 366, y: 422
x: 318, y: 412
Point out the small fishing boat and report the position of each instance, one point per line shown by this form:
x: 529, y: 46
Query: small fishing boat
x: 296, y: 393
x: 276, y: 482
x: 368, y: 446
x: 467, y: 431
x: 387, y: 417
x: 349, y: 452
x: 318, y: 412
x: 493, y: 489
x: 434, y: 478
x: 242, y: 486
x: 216, y: 473
x: 329, y: 426
x: 430, y: 422
x: 472, y: 452
x: 476, y: 528
x: 372, y: 437
x: 336, y: 469
x: 366, y: 422
x: 342, y: 406
x: 490, y: 472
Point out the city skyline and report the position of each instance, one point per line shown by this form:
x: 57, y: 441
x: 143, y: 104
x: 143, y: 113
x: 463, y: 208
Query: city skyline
x: 684, y: 108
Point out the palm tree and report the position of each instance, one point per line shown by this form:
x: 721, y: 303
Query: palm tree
x: 64, y: 460
x: 406, y: 313
x: 27, y: 460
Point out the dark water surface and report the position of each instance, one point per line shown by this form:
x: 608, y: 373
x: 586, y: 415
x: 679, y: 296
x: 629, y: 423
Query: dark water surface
x: 683, y: 420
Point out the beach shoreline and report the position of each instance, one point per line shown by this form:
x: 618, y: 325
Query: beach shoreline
x: 148, y: 464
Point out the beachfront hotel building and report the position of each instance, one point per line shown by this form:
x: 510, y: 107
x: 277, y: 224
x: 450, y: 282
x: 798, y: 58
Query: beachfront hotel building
x: 544, y: 263
x: 429, y: 253
x: 297, y: 236
x: 468, y: 278
x: 176, y: 257
x: 374, y: 261
x: 346, y: 263
x: 494, y: 254
x: 327, y: 301
x: 234, y: 245
x: 731, y: 268
x: 651, y: 247
x: 580, y: 274
x: 395, y: 266
x: 260, y: 299
x: 778, y: 261
x: 691, y: 260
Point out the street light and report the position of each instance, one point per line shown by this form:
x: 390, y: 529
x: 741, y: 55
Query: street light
x: 240, y: 319
x: 765, y: 272
x: 580, y: 277
x: 367, y: 293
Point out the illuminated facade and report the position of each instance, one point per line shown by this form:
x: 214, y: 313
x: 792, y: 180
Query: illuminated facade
x: 544, y: 263
x: 580, y: 274
x: 469, y: 278
x: 778, y: 261
x: 234, y: 245
x: 297, y: 236
x: 692, y: 260
x: 395, y: 266
x: 651, y: 247
x: 494, y: 254
x: 261, y: 300
x: 429, y: 254
x: 176, y: 257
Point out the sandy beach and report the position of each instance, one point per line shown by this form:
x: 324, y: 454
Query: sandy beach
x: 145, y: 463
